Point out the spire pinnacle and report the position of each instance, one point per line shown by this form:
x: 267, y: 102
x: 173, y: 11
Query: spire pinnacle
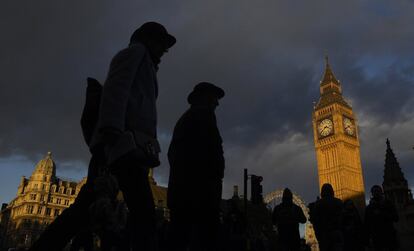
x: 392, y: 170
x: 395, y: 185
x: 328, y: 77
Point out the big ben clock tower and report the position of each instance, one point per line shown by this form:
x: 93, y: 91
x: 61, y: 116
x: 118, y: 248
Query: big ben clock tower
x: 337, y: 142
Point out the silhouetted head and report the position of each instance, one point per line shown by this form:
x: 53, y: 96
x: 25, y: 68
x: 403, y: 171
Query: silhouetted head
x: 327, y: 191
x: 155, y: 37
x: 205, y: 94
x: 287, y: 196
x: 377, y: 192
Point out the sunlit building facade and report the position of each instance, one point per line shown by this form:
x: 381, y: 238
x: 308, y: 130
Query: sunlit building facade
x: 42, y: 197
x: 39, y: 200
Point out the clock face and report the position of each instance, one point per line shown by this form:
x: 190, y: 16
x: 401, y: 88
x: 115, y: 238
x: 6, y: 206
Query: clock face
x: 325, y: 127
x: 349, y: 127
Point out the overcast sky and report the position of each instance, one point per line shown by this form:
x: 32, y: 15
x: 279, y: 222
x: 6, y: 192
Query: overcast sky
x: 268, y: 55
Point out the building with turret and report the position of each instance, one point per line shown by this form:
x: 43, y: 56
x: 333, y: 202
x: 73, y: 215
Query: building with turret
x: 396, y: 189
x: 39, y: 200
x: 42, y: 197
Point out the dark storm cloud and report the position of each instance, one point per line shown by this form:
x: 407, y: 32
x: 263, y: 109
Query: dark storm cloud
x: 267, y: 55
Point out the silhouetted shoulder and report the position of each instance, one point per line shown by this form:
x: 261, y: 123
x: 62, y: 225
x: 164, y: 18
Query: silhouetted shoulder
x: 196, y: 117
x: 298, y: 208
x: 301, y: 216
x: 131, y: 55
x: 134, y: 49
x: 338, y: 201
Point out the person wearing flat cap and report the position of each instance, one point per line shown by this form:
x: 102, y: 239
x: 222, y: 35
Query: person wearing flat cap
x: 196, y: 172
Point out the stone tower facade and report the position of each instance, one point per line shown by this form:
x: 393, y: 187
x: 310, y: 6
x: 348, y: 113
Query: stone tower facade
x: 337, y: 142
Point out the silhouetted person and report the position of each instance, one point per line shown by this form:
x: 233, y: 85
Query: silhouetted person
x: 196, y: 172
x: 380, y: 216
x: 124, y: 139
x: 126, y: 131
x: 287, y: 216
x: 327, y: 215
x: 352, y: 227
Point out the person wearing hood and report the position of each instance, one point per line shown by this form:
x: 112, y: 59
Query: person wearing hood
x: 286, y: 217
x: 327, y: 219
x: 196, y: 172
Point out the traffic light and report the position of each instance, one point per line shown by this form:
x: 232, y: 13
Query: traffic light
x: 257, y: 189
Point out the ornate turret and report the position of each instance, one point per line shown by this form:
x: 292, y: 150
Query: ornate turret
x: 394, y: 184
x: 39, y: 200
x: 46, y: 167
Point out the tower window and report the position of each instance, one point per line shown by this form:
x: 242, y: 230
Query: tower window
x: 29, y: 209
x: 48, y: 211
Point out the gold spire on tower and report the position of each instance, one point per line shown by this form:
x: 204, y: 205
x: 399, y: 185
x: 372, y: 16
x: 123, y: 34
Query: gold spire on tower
x: 329, y: 76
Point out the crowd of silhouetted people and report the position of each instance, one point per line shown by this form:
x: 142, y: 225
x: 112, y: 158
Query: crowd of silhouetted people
x: 339, y: 226
x: 119, y: 123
